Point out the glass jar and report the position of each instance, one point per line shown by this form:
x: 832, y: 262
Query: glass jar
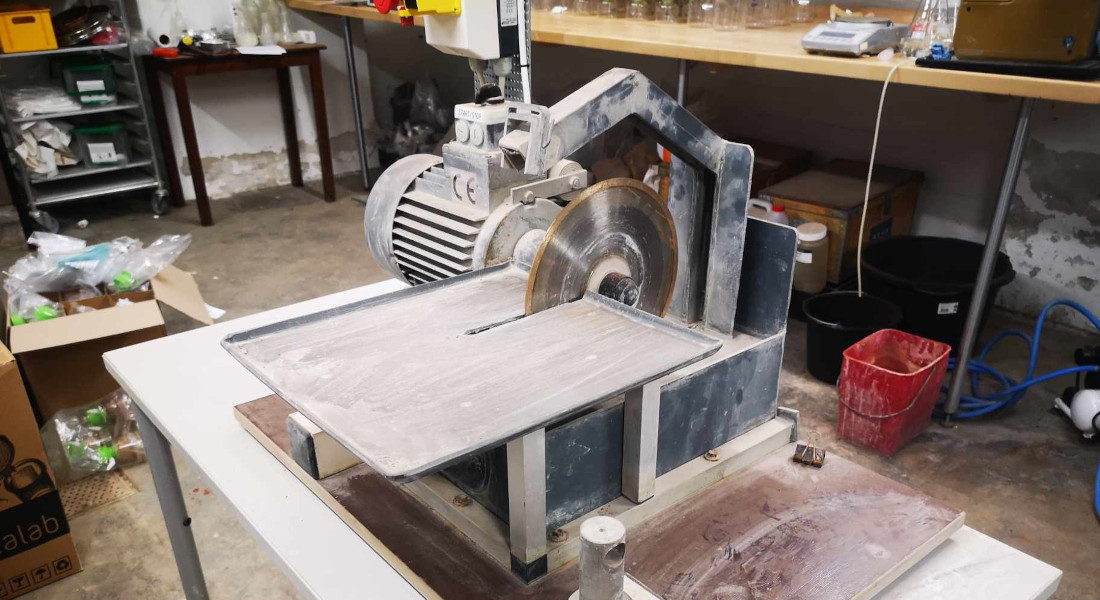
x: 758, y: 14
x: 584, y: 7
x: 802, y: 11
x: 731, y: 15
x: 637, y: 9
x: 702, y: 13
x: 611, y: 9
x: 667, y: 11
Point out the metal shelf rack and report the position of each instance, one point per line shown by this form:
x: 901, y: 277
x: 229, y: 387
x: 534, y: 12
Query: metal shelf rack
x: 142, y: 170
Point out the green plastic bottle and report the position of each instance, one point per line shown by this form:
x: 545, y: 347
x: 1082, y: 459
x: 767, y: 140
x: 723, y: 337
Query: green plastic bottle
x: 95, y: 417
x: 123, y: 282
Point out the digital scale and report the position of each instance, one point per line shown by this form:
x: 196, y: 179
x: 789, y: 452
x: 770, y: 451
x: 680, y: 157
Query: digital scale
x: 854, y: 36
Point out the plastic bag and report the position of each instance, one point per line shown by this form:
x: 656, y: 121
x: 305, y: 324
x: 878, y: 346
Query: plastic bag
x: 25, y: 307
x: 94, y: 438
x: 55, y: 243
x: 137, y: 268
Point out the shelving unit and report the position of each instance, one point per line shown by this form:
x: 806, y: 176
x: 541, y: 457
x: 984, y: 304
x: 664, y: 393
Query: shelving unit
x: 78, y: 182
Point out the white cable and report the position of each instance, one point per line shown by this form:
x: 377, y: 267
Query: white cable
x: 870, y: 172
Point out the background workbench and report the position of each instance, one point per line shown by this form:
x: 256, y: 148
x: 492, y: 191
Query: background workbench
x: 179, y: 68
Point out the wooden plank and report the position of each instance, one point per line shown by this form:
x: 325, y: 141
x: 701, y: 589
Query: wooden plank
x: 784, y: 531
x: 777, y: 48
x: 778, y: 530
x: 471, y: 374
x: 316, y: 451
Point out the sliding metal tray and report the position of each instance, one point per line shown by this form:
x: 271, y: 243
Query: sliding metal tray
x: 418, y: 379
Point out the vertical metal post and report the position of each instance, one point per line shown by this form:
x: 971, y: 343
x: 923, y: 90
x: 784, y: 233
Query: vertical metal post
x: 527, y: 496
x: 167, y: 483
x: 682, y: 81
x: 356, y: 104
x: 989, y: 256
x: 641, y: 422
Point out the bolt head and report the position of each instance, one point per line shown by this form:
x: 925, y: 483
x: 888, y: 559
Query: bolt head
x: 559, y: 535
x: 711, y: 455
x: 575, y: 182
x: 528, y: 197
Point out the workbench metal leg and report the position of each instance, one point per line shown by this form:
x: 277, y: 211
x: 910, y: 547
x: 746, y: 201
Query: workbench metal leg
x: 989, y: 256
x: 682, y: 81
x: 167, y: 484
x: 356, y: 104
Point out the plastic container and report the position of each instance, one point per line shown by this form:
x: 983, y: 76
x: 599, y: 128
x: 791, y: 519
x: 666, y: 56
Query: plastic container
x: 26, y: 28
x: 104, y: 145
x: 92, y: 83
x: 931, y: 279
x: 811, y: 262
x: 835, y: 321
x: 888, y: 388
x: 760, y: 209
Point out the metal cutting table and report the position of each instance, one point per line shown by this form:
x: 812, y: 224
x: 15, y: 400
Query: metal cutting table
x: 195, y: 414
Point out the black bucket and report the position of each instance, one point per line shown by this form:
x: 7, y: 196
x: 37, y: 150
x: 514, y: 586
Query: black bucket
x: 931, y: 279
x: 837, y: 320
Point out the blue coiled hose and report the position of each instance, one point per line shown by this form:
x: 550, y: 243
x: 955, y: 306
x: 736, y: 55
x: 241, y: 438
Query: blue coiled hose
x: 977, y: 404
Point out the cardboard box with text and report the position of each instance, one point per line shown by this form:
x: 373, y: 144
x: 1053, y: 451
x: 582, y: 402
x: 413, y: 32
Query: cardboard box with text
x: 35, y: 546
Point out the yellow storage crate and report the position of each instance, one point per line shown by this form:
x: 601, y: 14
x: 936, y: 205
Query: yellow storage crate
x: 26, y: 28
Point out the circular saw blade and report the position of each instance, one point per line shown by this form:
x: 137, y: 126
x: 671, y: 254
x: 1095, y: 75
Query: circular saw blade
x: 616, y: 226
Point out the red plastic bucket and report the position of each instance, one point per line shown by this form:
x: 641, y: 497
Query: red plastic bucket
x: 888, y: 387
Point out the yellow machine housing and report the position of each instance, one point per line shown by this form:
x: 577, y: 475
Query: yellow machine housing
x: 1054, y: 31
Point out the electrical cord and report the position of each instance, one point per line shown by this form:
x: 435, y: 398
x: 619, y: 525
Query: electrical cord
x: 870, y: 173
x: 977, y: 404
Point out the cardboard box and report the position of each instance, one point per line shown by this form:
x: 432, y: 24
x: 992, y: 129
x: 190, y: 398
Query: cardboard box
x: 773, y: 163
x: 35, y: 546
x: 62, y: 359
x: 833, y: 195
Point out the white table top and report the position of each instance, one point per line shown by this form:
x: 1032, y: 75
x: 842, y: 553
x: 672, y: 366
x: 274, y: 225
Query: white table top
x: 188, y: 385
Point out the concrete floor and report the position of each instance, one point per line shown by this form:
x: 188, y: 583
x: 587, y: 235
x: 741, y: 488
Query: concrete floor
x: 1024, y: 478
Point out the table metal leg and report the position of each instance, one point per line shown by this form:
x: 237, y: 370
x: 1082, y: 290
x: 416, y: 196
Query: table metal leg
x: 167, y: 484
x: 989, y: 256
x: 682, y: 81
x: 356, y: 104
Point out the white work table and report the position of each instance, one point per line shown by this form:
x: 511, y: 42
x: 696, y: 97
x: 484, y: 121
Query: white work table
x: 187, y: 385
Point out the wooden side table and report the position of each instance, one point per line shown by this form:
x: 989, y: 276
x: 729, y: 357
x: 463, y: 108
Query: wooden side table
x: 186, y: 65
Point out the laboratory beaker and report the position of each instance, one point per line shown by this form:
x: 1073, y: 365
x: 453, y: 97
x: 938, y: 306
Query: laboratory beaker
x: 667, y: 11
x: 802, y: 11
x: 637, y: 9
x: 758, y: 14
x: 731, y: 15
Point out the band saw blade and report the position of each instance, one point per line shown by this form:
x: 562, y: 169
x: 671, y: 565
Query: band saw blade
x: 619, y: 226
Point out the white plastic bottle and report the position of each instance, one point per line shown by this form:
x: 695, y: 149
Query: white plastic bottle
x: 779, y: 215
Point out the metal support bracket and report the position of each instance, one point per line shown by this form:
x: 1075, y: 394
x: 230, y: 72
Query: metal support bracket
x: 550, y: 187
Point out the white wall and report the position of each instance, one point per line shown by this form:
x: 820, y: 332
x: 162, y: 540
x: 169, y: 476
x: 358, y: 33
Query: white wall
x: 237, y: 116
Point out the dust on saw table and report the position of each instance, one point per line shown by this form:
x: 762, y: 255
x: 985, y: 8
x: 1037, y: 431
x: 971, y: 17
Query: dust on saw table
x: 774, y: 531
x: 418, y: 379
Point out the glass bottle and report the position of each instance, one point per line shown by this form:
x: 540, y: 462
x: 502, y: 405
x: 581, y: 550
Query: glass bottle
x: 933, y: 22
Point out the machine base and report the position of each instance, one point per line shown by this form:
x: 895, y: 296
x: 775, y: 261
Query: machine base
x: 839, y: 533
